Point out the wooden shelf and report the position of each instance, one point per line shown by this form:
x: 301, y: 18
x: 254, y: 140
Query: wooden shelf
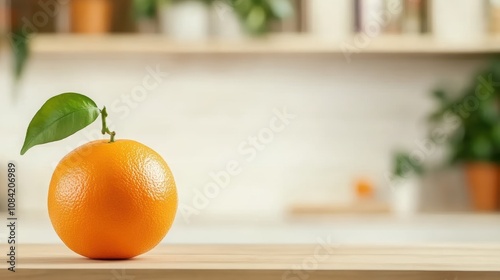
x: 325, y: 260
x: 276, y: 44
x: 364, y: 208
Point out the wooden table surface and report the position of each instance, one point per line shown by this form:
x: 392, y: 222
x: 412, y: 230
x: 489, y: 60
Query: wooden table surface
x: 297, y: 262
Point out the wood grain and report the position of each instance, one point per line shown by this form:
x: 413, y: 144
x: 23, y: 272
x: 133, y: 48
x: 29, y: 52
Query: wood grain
x: 265, y: 262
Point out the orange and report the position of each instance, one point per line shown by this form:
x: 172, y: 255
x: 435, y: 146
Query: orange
x: 112, y: 200
x: 364, y: 189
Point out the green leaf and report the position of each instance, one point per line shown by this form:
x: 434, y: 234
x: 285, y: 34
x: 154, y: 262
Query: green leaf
x: 145, y: 8
x: 60, y: 117
x: 404, y: 165
x: 21, y: 48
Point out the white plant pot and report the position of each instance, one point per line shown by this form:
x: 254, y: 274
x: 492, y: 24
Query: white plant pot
x: 185, y: 20
x: 463, y: 21
x: 405, y: 197
x: 225, y: 21
x: 331, y: 20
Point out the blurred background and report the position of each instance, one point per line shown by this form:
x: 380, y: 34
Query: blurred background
x: 365, y: 120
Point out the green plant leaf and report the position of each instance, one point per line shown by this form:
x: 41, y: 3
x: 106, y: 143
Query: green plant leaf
x: 403, y: 165
x: 145, y: 8
x: 21, y: 48
x: 256, y: 19
x: 60, y: 117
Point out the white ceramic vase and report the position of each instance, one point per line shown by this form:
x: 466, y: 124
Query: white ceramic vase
x: 405, y: 197
x: 459, y: 21
x: 330, y: 20
x: 185, y: 20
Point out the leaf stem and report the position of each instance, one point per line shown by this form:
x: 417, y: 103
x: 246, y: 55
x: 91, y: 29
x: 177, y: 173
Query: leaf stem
x: 105, y: 129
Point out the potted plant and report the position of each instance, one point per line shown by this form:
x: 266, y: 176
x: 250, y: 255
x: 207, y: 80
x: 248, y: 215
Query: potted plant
x: 186, y: 20
x: 472, y: 118
x: 145, y: 12
x: 257, y: 15
x: 91, y: 16
x: 404, y: 183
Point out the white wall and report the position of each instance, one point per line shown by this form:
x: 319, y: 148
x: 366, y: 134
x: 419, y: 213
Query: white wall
x: 348, y: 119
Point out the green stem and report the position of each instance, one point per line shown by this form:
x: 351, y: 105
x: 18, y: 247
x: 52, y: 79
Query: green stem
x: 105, y: 129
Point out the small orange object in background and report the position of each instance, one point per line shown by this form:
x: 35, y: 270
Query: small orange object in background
x: 364, y: 189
